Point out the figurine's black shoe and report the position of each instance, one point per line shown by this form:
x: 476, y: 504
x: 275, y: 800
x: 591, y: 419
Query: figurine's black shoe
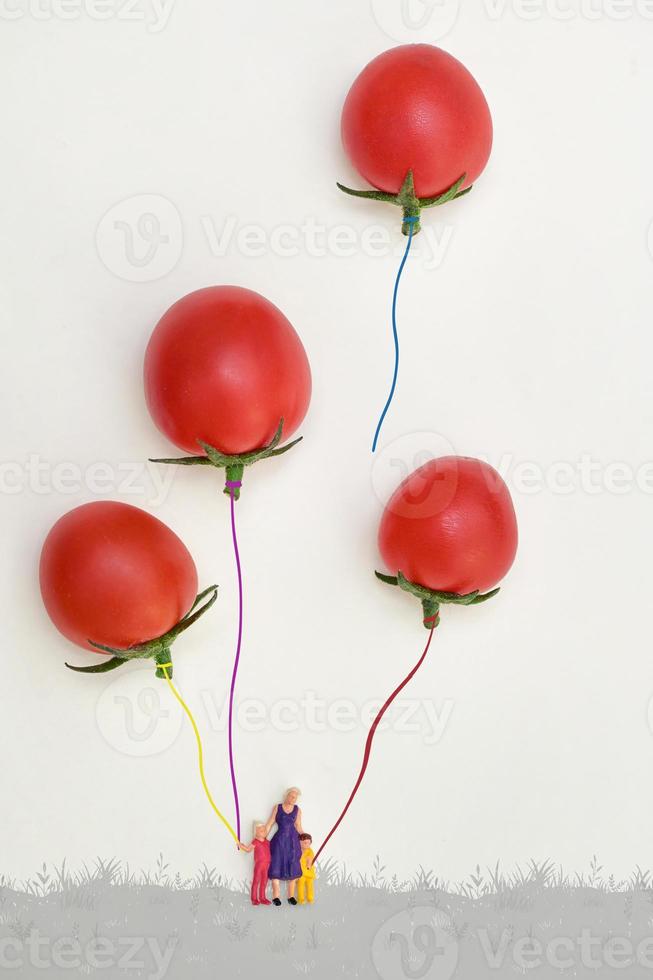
x: 276, y: 901
x: 292, y: 901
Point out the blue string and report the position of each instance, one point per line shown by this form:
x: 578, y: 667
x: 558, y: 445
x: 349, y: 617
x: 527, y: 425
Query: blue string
x: 410, y: 222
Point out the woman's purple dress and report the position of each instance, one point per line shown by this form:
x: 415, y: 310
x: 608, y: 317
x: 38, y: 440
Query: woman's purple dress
x: 285, y: 848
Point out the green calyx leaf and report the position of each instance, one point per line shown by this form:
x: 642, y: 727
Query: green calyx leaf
x: 157, y: 649
x: 408, y: 201
x: 234, y: 465
x: 432, y: 599
x: 102, y: 668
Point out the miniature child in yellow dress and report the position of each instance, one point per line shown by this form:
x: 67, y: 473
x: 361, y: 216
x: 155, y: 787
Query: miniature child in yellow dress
x: 305, y: 886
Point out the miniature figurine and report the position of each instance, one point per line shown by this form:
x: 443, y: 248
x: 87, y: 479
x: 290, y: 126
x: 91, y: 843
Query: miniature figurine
x: 261, y: 847
x: 305, y: 885
x: 285, y: 848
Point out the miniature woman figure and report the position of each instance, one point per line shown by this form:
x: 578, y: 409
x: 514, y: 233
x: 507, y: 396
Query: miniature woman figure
x: 306, y: 884
x: 261, y: 847
x: 285, y: 848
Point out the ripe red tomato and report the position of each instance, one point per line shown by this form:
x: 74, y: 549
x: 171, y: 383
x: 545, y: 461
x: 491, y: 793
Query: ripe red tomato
x: 417, y: 108
x: 450, y: 526
x: 224, y: 365
x: 114, y: 574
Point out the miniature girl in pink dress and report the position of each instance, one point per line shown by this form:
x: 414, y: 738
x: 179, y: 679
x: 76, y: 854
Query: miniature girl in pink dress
x: 261, y: 847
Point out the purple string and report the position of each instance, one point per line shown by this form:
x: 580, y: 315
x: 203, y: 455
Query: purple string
x: 232, y: 485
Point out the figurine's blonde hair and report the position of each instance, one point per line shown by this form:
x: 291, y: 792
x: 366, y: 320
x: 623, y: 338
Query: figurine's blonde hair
x: 256, y: 825
x: 292, y: 789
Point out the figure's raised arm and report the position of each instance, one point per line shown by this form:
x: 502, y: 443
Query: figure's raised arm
x: 271, y: 822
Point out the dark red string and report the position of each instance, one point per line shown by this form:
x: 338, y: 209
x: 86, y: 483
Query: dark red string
x: 368, y: 743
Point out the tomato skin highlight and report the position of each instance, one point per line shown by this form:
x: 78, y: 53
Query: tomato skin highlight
x: 450, y: 526
x: 416, y: 107
x: 224, y: 365
x: 116, y: 575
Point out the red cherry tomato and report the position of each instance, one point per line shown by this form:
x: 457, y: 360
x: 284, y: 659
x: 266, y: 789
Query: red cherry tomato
x: 114, y: 574
x: 224, y: 365
x: 450, y: 526
x: 417, y: 108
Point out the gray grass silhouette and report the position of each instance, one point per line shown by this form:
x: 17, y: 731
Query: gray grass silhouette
x: 537, y: 921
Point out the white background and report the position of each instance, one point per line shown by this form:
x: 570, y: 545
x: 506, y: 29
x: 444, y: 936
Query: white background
x: 527, y: 340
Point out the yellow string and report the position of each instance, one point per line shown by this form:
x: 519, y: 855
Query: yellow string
x: 200, y: 750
